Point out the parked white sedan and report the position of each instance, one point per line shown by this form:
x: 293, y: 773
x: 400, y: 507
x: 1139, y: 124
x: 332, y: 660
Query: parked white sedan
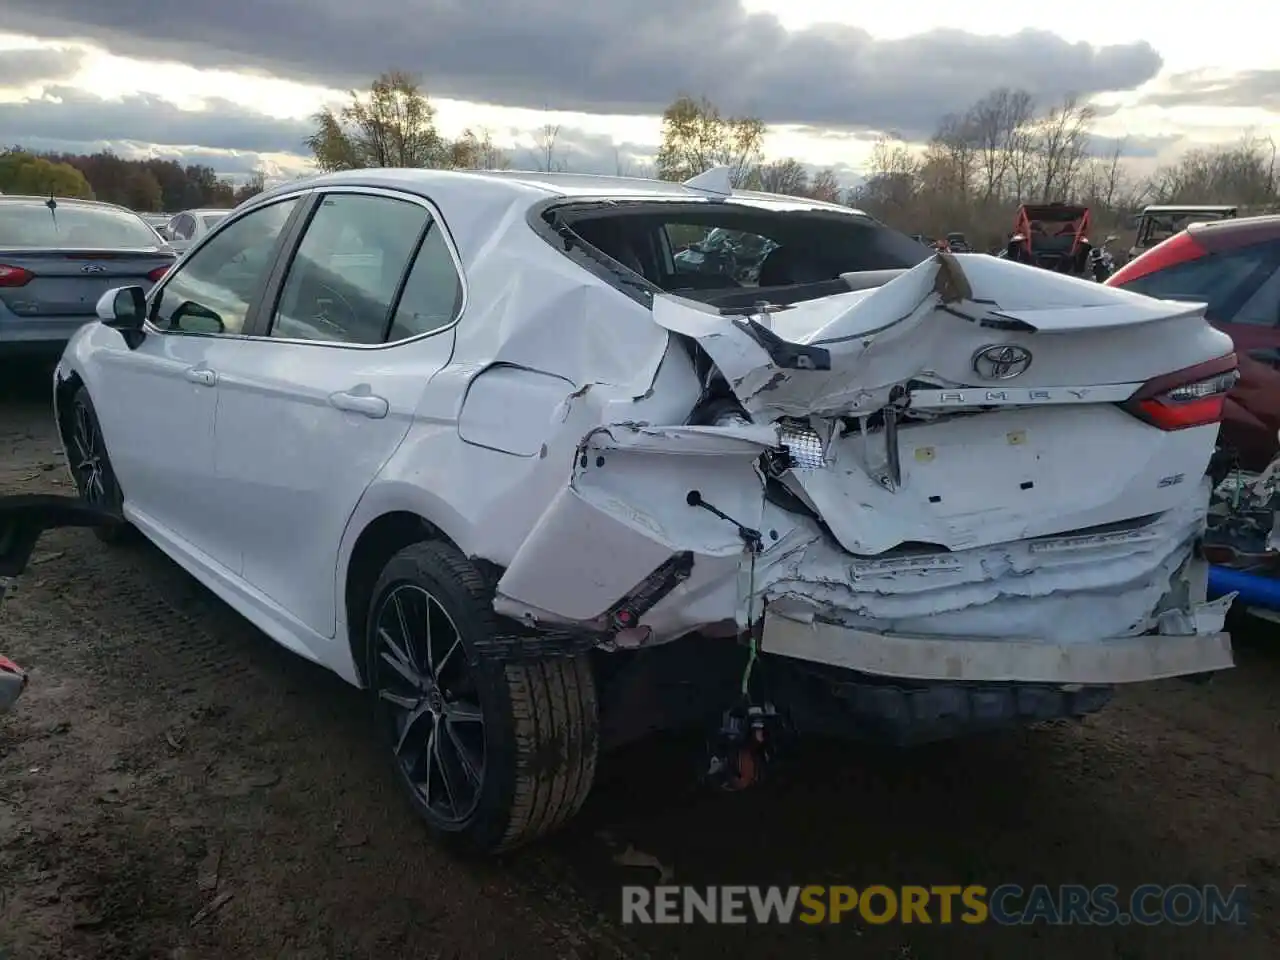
x: 472, y: 442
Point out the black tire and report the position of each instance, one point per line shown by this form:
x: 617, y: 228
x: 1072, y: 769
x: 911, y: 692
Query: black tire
x: 539, y: 729
x: 91, y: 466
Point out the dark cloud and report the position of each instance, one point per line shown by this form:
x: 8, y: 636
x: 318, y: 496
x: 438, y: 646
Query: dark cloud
x: 582, y: 151
x: 1198, y: 88
x: 610, y: 56
x: 231, y: 166
x: 67, y: 113
x: 20, y: 68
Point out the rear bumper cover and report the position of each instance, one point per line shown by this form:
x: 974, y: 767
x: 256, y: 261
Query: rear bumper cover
x: 1116, y: 661
x: 35, y: 334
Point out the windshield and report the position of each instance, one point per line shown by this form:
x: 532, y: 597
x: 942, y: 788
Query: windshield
x: 1159, y: 227
x: 212, y: 219
x: 33, y: 224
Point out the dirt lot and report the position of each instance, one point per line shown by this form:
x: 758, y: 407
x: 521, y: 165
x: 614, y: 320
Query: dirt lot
x: 174, y: 785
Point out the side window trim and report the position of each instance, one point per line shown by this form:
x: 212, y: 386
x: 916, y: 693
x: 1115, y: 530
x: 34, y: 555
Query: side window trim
x: 156, y: 294
x: 389, y: 321
x: 294, y: 234
x: 258, y: 323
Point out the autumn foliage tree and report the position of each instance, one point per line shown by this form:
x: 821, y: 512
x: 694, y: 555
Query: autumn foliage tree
x: 145, y: 185
x: 393, y: 124
x: 27, y: 173
x: 696, y: 136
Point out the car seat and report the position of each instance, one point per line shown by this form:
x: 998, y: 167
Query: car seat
x: 786, y: 266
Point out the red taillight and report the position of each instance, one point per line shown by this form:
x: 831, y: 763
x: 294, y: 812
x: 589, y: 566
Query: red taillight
x: 1193, y: 397
x: 14, y: 276
x: 1179, y: 248
x: 158, y: 272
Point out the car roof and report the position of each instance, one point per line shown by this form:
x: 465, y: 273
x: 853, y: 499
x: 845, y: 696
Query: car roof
x: 64, y: 201
x: 1189, y: 208
x: 1236, y: 232
x: 534, y: 185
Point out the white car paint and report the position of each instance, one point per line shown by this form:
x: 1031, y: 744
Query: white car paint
x: 544, y: 432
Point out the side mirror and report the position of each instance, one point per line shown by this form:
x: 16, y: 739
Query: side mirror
x: 192, y: 317
x: 124, y: 309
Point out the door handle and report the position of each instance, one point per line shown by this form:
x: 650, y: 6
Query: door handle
x: 365, y: 404
x: 201, y: 375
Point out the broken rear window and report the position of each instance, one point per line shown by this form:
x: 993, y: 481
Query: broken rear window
x: 702, y: 249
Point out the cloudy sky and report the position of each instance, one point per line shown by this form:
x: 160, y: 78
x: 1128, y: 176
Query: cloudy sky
x: 232, y: 82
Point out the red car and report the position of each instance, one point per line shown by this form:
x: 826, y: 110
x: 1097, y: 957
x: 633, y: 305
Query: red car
x: 1234, y: 267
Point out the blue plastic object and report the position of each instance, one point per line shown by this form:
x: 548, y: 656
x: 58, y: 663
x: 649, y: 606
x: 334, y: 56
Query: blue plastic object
x: 1255, y: 590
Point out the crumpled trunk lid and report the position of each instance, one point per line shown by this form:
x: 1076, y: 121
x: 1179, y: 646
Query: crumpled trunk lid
x: 967, y: 402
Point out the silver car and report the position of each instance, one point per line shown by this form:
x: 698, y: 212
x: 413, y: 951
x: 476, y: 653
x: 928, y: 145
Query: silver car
x: 189, y: 226
x: 58, y: 256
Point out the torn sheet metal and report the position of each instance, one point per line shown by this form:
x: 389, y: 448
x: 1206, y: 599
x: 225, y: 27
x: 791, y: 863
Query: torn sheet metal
x: 627, y: 510
x: 1244, y: 520
x: 845, y: 354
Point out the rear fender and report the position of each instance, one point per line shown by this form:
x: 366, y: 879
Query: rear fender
x: 626, y: 512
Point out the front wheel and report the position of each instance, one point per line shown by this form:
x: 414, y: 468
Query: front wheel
x: 491, y: 754
x: 96, y: 481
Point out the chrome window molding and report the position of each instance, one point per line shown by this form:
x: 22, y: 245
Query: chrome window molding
x: 432, y: 210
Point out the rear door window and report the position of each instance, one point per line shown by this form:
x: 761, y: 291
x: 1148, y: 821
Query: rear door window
x: 348, y: 269
x: 1225, y: 281
x: 1262, y: 309
x: 432, y: 295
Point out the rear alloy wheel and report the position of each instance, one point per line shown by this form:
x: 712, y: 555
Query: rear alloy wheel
x: 87, y: 454
x: 491, y: 754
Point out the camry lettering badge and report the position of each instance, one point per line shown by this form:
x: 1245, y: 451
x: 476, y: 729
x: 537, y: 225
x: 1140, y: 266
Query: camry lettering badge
x: 1003, y: 361
x: 93, y: 268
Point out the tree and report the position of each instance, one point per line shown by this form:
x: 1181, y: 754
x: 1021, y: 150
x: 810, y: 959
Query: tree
x: 25, y: 173
x: 1242, y: 173
x: 546, y: 147
x: 995, y: 122
x: 1062, y: 143
x: 892, y: 179
x: 392, y: 125
x: 147, y: 184
x: 784, y: 176
x: 256, y: 183
x: 142, y: 190
x: 475, y: 150
x: 824, y: 186
x: 696, y: 137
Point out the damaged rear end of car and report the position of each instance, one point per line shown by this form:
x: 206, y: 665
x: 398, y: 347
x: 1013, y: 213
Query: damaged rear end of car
x: 928, y: 500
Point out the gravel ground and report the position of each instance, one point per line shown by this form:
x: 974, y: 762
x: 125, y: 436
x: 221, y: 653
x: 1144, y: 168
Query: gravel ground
x: 174, y: 785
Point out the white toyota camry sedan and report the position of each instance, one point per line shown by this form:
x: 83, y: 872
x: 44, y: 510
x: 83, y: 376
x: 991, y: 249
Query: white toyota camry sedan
x: 487, y: 446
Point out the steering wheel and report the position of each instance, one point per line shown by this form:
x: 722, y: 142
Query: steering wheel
x: 341, y: 326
